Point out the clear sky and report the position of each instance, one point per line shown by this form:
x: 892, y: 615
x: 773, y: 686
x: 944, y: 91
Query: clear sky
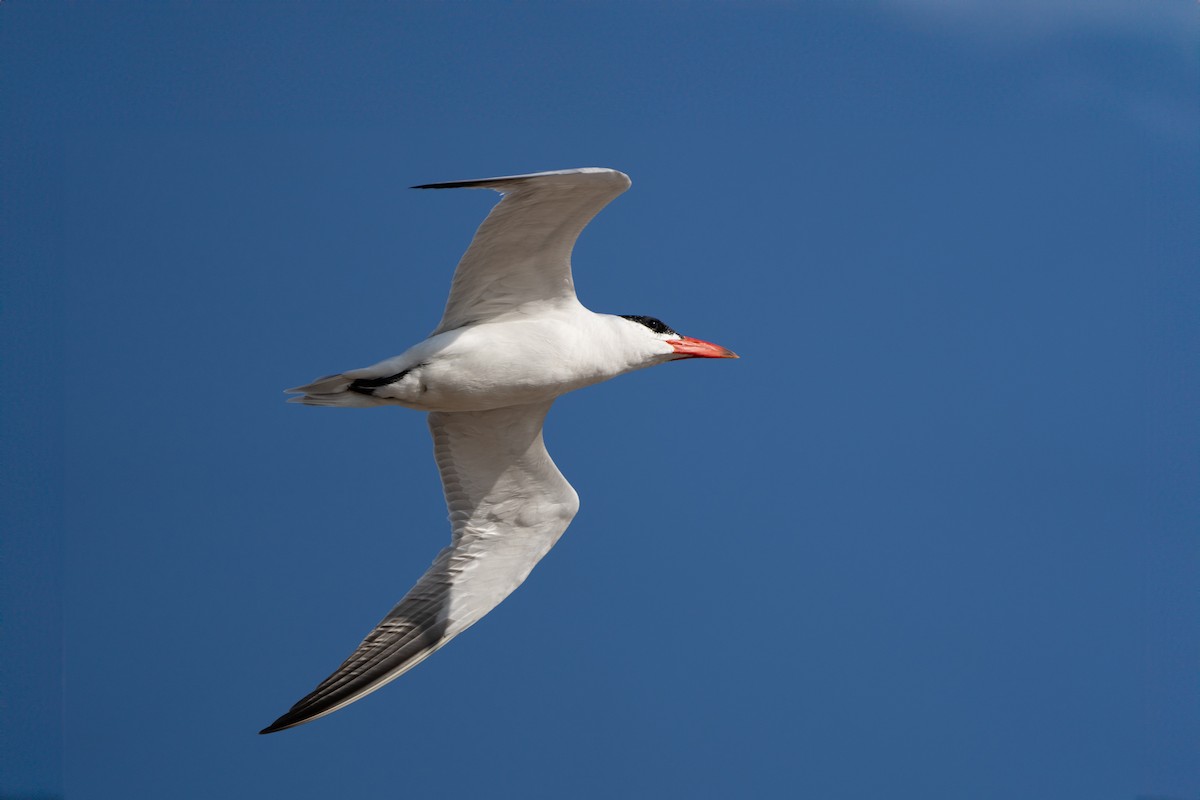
x: 933, y: 536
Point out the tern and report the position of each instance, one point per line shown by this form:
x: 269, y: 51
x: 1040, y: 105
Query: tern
x: 512, y: 339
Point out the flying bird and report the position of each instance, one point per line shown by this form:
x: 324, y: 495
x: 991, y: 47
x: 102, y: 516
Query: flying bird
x: 513, y: 338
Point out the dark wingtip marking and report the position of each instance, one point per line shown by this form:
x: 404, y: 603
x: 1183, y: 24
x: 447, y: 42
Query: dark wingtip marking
x: 289, y: 720
x: 277, y: 725
x: 454, y: 185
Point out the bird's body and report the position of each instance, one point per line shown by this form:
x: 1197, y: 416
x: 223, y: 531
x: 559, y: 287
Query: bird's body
x: 512, y: 339
x: 493, y: 364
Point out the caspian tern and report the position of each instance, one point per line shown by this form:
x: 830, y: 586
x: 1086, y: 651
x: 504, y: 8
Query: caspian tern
x: 512, y: 339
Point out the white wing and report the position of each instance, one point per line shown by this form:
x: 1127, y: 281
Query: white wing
x: 508, y: 506
x: 521, y: 254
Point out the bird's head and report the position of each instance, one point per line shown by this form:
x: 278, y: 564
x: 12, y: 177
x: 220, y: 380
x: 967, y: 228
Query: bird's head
x: 666, y: 344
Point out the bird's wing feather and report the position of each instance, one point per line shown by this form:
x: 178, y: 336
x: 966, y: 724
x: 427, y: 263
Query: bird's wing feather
x: 508, y: 505
x: 521, y: 254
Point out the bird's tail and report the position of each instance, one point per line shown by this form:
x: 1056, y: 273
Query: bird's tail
x: 332, y: 390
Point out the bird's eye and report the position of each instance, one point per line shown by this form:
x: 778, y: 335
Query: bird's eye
x: 656, y: 325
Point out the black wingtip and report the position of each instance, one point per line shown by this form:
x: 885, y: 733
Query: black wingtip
x: 456, y: 185
x: 278, y: 725
x: 289, y: 720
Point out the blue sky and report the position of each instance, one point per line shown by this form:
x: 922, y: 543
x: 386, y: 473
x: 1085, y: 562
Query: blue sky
x: 934, y: 535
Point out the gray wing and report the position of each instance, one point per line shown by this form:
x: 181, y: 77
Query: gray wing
x: 521, y: 254
x: 508, y: 505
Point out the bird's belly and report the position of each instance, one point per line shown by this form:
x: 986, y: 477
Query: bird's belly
x: 489, y: 379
